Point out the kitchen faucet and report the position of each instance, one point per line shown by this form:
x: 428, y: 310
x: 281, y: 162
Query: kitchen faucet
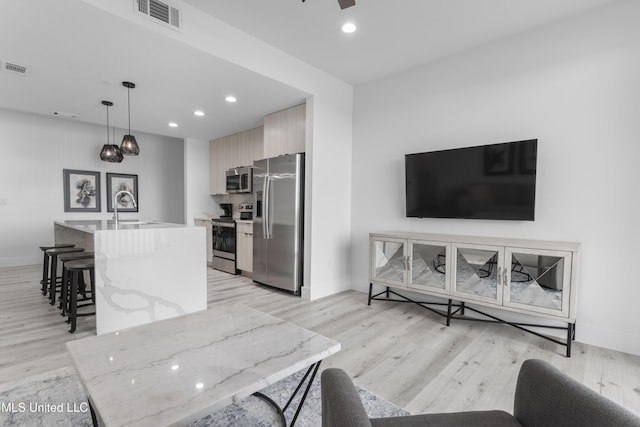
x: 115, y: 204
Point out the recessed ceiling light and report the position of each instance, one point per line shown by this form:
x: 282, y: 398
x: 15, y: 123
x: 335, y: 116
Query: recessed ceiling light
x: 198, y: 113
x: 173, y: 125
x: 230, y: 99
x: 349, y: 27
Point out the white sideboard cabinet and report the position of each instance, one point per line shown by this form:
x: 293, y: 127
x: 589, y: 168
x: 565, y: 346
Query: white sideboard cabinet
x: 537, y: 278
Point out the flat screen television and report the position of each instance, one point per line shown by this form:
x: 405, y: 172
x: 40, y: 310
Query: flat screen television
x: 495, y: 181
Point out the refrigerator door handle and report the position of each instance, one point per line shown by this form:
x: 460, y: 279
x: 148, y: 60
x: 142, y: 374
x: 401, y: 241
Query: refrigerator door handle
x: 269, y: 220
x: 265, y: 206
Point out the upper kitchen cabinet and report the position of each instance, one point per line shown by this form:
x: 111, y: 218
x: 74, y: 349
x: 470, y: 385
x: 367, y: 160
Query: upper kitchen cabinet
x: 284, y: 131
x: 240, y: 149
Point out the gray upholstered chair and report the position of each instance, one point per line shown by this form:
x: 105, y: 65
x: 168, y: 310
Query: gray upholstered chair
x: 545, y: 397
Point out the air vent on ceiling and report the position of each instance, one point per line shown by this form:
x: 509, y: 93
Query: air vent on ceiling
x: 12, y: 67
x: 161, y: 12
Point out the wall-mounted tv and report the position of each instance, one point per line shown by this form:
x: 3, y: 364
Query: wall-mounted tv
x: 495, y: 181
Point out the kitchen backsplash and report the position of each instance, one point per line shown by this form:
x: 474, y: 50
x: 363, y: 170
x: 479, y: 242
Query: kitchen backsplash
x: 235, y: 200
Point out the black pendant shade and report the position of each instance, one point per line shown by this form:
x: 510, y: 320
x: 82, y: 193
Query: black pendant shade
x: 129, y: 144
x: 110, y: 152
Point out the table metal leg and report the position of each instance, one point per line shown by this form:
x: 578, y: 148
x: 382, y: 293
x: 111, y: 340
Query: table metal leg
x: 94, y: 419
x: 280, y: 410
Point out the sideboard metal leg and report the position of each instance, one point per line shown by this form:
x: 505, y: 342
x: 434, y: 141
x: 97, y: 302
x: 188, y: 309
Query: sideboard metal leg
x: 570, y: 337
x: 370, y: 290
x: 449, y: 313
x: 387, y: 292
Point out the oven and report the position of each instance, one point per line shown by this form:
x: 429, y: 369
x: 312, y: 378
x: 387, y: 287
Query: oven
x: 224, y: 244
x: 240, y: 180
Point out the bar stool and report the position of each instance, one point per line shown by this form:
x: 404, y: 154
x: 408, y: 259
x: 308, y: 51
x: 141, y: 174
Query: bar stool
x: 45, y: 263
x: 66, y: 282
x: 54, y: 279
x: 76, y: 269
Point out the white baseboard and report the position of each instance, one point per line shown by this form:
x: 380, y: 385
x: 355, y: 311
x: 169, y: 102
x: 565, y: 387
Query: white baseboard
x: 317, y: 291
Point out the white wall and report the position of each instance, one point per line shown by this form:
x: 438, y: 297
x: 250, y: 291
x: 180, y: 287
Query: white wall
x: 196, y: 180
x: 328, y: 151
x: 35, y: 150
x: 573, y: 85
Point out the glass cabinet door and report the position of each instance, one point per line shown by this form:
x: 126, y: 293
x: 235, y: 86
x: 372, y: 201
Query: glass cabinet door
x: 388, y: 261
x: 429, y: 265
x: 538, y: 280
x: 478, y: 272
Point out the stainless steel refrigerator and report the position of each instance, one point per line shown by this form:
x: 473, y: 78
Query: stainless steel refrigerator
x: 278, y: 221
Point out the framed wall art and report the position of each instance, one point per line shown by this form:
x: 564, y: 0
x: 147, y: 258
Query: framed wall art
x: 81, y: 190
x: 117, y: 182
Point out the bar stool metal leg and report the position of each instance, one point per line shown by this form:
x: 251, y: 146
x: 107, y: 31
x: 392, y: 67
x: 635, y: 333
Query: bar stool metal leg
x: 64, y: 291
x: 45, y: 273
x: 53, y: 281
x: 73, y: 304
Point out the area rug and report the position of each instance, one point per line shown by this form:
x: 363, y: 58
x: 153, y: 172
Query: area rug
x: 56, y: 398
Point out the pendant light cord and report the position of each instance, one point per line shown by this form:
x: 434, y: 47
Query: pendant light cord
x: 107, y: 124
x: 129, y: 107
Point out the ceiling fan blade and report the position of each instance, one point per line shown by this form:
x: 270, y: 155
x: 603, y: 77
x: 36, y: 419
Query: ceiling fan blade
x: 346, y: 3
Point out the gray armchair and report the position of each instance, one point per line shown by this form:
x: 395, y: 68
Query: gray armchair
x: 545, y: 397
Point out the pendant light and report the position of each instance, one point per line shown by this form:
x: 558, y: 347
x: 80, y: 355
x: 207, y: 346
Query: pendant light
x: 110, y: 152
x: 129, y: 144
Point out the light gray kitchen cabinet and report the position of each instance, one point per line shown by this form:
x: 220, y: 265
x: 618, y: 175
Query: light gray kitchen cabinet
x: 218, y: 165
x: 285, y: 131
x: 244, y: 246
x: 239, y: 149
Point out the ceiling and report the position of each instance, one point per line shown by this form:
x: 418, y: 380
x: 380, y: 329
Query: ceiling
x: 78, y: 54
x: 392, y: 35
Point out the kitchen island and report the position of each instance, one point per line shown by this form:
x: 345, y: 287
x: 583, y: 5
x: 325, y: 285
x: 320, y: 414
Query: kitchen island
x: 145, y: 271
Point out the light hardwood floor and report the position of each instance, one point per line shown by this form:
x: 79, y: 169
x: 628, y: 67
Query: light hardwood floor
x: 398, y: 351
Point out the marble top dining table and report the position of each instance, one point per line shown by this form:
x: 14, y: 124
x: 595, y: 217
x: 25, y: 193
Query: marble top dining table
x: 176, y: 371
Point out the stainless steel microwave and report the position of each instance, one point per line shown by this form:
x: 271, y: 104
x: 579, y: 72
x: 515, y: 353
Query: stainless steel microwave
x: 240, y: 180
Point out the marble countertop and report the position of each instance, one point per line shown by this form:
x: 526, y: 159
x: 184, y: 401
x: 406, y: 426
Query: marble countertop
x: 90, y: 226
x: 206, y: 216
x: 175, y: 371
